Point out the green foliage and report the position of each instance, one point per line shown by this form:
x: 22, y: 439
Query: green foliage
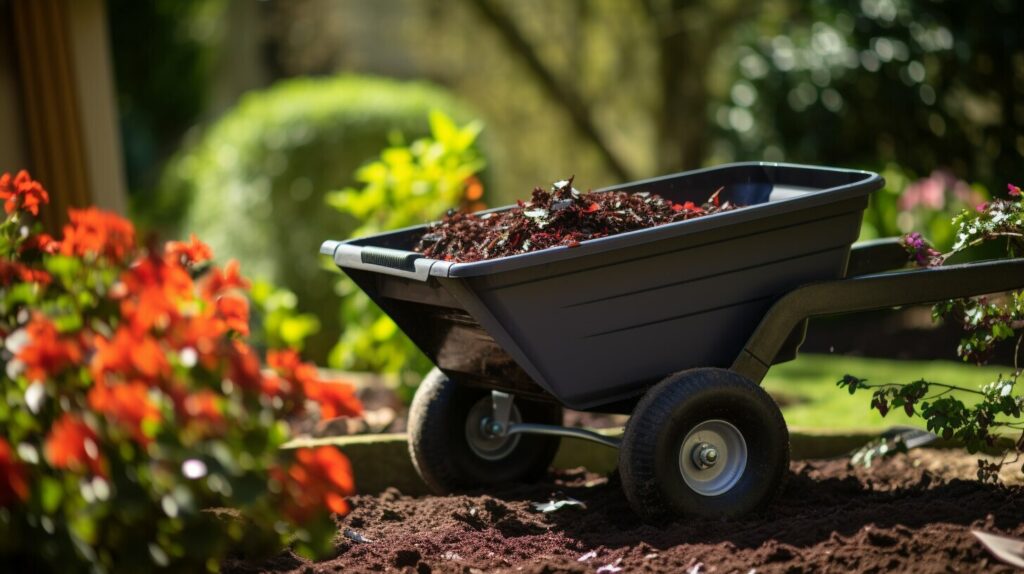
x: 254, y: 186
x: 985, y: 323
x: 406, y: 185
x: 158, y: 103
x: 873, y: 83
x: 280, y: 323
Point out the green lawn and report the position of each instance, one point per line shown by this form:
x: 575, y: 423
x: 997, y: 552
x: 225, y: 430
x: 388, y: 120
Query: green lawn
x: 807, y: 388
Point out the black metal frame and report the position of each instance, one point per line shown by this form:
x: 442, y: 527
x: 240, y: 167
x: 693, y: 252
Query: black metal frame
x: 871, y: 283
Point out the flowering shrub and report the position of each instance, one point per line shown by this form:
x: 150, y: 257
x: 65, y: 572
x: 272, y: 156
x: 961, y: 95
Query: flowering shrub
x: 997, y: 406
x: 138, y: 428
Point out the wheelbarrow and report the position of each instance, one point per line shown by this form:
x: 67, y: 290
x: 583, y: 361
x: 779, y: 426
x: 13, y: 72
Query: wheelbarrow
x: 676, y: 325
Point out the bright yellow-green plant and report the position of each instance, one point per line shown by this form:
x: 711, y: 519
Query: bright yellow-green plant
x: 406, y: 185
x: 275, y: 309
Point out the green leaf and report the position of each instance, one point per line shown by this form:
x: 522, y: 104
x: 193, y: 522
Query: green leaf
x: 51, y: 492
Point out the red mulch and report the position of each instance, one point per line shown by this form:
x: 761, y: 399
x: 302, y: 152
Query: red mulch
x: 909, y: 513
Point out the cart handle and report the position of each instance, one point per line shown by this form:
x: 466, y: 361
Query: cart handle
x: 398, y: 262
x: 870, y: 292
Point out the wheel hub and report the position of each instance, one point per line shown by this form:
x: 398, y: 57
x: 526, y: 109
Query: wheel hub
x: 712, y: 457
x: 485, y: 436
x: 705, y: 455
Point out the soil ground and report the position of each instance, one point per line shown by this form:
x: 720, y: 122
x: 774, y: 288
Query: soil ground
x: 912, y: 512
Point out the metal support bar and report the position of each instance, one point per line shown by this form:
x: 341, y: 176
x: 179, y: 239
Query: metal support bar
x: 501, y: 411
x: 553, y: 430
x: 869, y: 292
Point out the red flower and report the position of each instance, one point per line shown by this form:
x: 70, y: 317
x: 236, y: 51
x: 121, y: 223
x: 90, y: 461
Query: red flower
x: 41, y: 242
x: 200, y: 332
x: 191, y: 252
x: 12, y: 272
x: 234, y: 310
x: 204, y: 406
x: 221, y: 280
x: 47, y: 354
x: 74, y: 446
x: 289, y: 365
x: 97, y: 233
x: 319, y: 477
x: 336, y: 398
x: 130, y: 355
x: 126, y: 404
x: 1014, y: 190
x: 22, y: 187
x: 284, y: 361
x: 13, y: 479
x: 244, y: 366
x: 151, y: 292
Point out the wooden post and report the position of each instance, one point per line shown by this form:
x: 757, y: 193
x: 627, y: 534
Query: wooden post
x: 64, y: 82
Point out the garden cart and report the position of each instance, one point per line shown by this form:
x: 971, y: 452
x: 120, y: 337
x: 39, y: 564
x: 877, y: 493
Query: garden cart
x: 675, y: 325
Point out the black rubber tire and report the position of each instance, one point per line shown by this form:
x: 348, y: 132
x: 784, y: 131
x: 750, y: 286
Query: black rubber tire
x: 649, y: 455
x: 441, y: 453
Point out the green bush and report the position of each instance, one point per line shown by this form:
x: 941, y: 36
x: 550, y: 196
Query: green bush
x: 254, y: 185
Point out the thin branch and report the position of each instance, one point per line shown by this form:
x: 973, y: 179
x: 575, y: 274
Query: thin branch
x: 564, y: 95
x: 901, y: 385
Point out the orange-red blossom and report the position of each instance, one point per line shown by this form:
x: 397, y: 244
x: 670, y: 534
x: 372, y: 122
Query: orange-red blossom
x: 21, y: 192
x: 320, y: 477
x: 48, y: 352
x: 73, y: 445
x: 336, y: 398
x: 13, y: 479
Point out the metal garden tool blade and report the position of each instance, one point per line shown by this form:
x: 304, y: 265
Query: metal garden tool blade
x: 910, y: 436
x: 1009, y: 550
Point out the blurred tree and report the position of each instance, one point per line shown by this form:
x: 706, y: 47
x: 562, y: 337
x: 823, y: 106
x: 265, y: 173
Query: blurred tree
x: 162, y: 54
x: 873, y: 82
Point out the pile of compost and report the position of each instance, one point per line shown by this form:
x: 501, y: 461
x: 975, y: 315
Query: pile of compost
x: 912, y: 512
x: 560, y: 217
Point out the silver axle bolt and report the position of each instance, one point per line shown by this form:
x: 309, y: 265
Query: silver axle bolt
x: 705, y: 455
x: 491, y: 427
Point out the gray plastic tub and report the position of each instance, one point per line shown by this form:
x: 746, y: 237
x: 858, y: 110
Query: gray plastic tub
x: 595, y: 325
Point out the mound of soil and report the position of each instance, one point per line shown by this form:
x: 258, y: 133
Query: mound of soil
x: 911, y: 512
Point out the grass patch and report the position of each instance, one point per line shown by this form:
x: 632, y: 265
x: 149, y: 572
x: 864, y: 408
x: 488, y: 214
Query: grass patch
x: 806, y: 388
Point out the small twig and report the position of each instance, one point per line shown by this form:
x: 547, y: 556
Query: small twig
x: 935, y: 396
x: 948, y: 387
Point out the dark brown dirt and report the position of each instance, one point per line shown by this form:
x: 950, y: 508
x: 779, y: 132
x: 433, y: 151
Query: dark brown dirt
x: 909, y: 513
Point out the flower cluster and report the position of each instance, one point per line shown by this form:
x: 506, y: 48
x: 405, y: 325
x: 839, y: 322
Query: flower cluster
x: 21, y: 192
x: 134, y: 402
x: 920, y: 251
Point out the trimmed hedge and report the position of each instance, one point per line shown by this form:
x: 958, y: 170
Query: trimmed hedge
x: 254, y: 185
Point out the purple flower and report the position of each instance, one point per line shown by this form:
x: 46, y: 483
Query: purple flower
x: 919, y: 250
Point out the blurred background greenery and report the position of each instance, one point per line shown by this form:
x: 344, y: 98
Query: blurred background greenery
x: 240, y: 117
